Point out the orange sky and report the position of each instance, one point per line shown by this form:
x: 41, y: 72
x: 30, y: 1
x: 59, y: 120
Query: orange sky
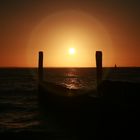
x: 28, y: 27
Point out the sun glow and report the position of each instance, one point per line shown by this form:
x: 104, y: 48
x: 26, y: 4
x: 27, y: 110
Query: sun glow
x: 71, y: 51
x: 69, y: 39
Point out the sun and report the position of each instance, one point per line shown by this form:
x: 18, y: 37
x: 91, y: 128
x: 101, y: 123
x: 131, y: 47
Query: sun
x: 71, y: 51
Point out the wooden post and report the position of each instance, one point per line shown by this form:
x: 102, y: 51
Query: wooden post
x: 40, y: 66
x: 98, y: 67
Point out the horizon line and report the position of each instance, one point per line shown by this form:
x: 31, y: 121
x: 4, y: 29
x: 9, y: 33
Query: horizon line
x: 69, y: 67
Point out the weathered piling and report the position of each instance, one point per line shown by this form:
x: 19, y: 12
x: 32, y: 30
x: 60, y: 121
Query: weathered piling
x: 99, y: 70
x: 40, y: 66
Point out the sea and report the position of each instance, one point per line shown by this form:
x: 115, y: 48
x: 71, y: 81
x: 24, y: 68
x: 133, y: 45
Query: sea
x: 19, y: 109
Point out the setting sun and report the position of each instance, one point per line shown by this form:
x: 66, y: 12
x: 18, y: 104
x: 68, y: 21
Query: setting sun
x: 72, y: 42
x: 71, y: 51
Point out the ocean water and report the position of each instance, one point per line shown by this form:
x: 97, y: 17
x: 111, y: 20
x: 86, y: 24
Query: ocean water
x: 19, y: 108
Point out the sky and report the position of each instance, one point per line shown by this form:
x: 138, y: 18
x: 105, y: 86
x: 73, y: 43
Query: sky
x: 54, y: 26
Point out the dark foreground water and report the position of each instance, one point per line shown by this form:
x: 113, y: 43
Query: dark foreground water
x: 19, y: 108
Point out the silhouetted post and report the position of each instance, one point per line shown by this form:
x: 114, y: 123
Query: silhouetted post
x: 40, y: 66
x: 115, y: 67
x: 98, y: 67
